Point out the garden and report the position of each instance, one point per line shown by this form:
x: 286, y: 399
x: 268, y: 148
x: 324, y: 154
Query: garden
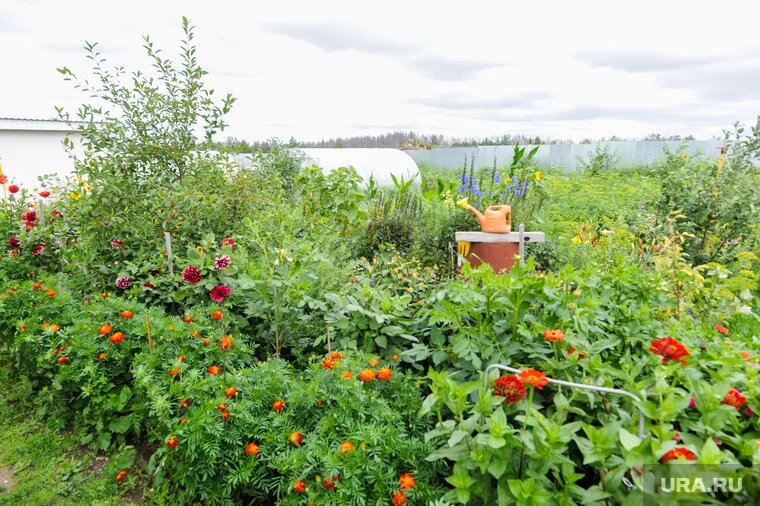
x: 189, y: 332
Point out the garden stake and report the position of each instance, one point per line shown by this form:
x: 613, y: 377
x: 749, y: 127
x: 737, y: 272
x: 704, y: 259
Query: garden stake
x: 168, y: 238
x: 147, y: 326
x: 594, y: 388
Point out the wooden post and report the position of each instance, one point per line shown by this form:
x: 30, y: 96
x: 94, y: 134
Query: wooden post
x: 168, y: 238
x: 521, y: 244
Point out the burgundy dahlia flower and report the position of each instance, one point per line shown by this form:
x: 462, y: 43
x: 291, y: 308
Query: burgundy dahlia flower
x: 191, y: 275
x: 220, y: 292
x: 222, y: 262
x: 38, y: 249
x: 117, y: 243
x: 123, y: 283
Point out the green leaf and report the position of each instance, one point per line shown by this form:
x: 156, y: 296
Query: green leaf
x: 710, y: 453
x: 628, y: 440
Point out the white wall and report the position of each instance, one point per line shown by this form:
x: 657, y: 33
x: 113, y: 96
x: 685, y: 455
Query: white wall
x: 27, y: 154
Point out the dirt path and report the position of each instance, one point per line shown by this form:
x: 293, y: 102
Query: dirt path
x: 7, y: 483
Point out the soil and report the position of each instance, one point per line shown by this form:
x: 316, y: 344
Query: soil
x: 7, y: 483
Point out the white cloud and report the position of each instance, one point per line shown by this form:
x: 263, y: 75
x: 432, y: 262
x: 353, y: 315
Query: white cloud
x: 323, y: 69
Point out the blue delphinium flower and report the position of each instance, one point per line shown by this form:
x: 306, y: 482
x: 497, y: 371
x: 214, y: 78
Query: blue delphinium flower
x: 477, y: 192
x: 465, y: 179
x: 497, y: 177
x: 514, y: 179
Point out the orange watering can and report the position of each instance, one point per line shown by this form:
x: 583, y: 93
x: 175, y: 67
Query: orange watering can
x: 496, y: 219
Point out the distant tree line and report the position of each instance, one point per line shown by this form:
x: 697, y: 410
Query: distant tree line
x: 412, y: 140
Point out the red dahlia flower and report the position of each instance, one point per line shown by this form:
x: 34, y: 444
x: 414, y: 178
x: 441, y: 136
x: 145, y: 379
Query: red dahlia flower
x: 191, y: 275
x: 553, y: 335
x: 117, y: 243
x: 29, y: 216
x: 533, y: 377
x: 228, y: 241
x: 222, y: 262
x: 679, y: 453
x: 14, y: 241
x: 670, y: 350
x: 38, y: 249
x: 44, y: 194
x: 734, y: 398
x: 13, y: 188
x: 220, y: 292
x: 509, y: 387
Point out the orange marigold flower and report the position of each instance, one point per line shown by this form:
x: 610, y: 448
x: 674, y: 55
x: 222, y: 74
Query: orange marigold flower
x: 346, y: 447
x: 252, y: 449
x: 196, y: 333
x: 328, y: 364
x: 216, y: 315
x: 669, y: 349
x: 346, y: 375
x: 63, y: 359
x: 296, y: 438
x: 117, y: 337
x: 174, y: 372
x: 121, y: 475
x: 126, y: 314
x: 104, y: 330
x: 183, y: 421
x: 172, y: 442
x: 187, y: 318
x: 406, y: 481
x: 373, y: 362
x: 55, y: 327
x: 23, y: 326
x: 104, y: 295
x: 367, y: 375
x: 509, y: 387
x: 384, y: 374
x: 336, y: 355
x: 37, y: 286
x: 230, y: 392
x: 225, y: 415
x: 679, y: 453
x: 52, y: 294
x: 102, y: 356
x: 213, y: 370
x: 553, y: 335
x: 720, y: 328
x: 299, y: 486
x: 533, y: 377
x: 181, y: 358
x: 395, y: 358
x: 734, y: 398
x: 745, y: 354
x: 205, y: 341
x: 581, y: 355
x: 226, y: 343
x: 329, y: 483
x: 185, y: 403
x: 278, y: 406
x: 399, y: 498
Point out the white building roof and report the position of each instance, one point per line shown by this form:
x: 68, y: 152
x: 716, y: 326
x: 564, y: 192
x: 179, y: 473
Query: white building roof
x: 39, y: 125
x: 368, y: 162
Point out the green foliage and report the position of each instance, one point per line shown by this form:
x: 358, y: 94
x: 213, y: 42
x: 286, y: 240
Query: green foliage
x: 598, y: 161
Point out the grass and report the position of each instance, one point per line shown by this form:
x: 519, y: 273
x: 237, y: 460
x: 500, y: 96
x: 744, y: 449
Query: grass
x: 40, y: 465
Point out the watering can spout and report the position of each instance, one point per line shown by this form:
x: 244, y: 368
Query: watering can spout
x: 496, y: 219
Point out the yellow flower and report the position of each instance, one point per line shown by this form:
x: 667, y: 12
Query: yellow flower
x: 685, y: 157
x: 577, y: 240
x: 463, y: 202
x: 538, y: 175
x: 74, y: 196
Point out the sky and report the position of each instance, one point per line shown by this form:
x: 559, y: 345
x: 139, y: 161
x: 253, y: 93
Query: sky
x: 316, y: 70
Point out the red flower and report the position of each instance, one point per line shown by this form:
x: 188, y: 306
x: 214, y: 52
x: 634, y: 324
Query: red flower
x: 553, y: 335
x: 14, y: 241
x: 126, y: 314
x: 679, y: 453
x: 328, y: 364
x: 63, y: 359
x: 226, y: 343
x: 117, y: 243
x: 533, y: 377
x: 29, y: 216
x: 51, y: 294
x: 346, y: 447
x: 220, y: 292
x: 29, y: 225
x: 720, y: 328
x: 148, y: 285
x: 172, y: 442
x: 181, y: 358
x: 509, y: 387
x: 745, y: 354
x: 278, y: 406
x: 174, y: 372
x: 222, y: 262
x: 44, y: 194
x: 336, y: 355
x: 669, y: 349
x: 3, y: 179
x: 228, y: 241
x: 185, y: 403
x: 329, y: 483
x: 214, y: 370
x: 121, y: 475
x: 205, y: 341
x: 187, y: 318
x: 37, y: 249
x: 225, y: 415
x: 384, y: 374
x: 123, y: 283
x: 191, y: 275
x: 299, y: 487
x: 581, y: 355
x: 37, y: 286
x: 296, y: 438
x: 117, y: 337
x: 252, y: 449
x: 221, y: 407
x: 734, y: 398
x: 399, y: 498
x: 13, y: 188
x: 230, y: 392
x: 216, y: 315
x: 366, y: 375
x: 406, y: 481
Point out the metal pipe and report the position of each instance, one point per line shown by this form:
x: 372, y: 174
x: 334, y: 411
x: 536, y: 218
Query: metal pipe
x: 594, y: 388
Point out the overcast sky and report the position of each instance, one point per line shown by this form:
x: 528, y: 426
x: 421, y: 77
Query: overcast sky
x: 319, y: 69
